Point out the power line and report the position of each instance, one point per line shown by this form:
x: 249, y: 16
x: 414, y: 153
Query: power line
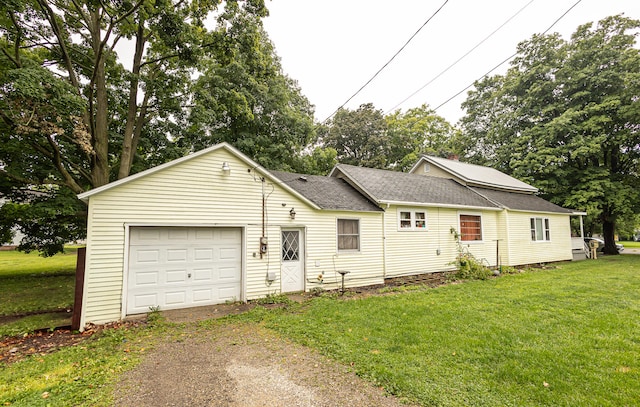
x: 509, y: 58
x: 461, y: 58
x: 387, y: 63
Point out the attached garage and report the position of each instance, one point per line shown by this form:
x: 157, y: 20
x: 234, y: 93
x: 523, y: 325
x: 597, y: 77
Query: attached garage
x: 179, y: 267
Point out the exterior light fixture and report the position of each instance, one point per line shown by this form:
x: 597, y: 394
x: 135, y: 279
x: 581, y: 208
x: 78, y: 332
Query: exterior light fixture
x: 226, y: 170
x: 292, y: 213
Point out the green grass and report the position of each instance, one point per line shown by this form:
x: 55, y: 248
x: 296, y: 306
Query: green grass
x: 30, y: 283
x: 562, y: 337
x: 629, y: 244
x: 483, y: 343
x: 85, y: 374
x: 14, y: 263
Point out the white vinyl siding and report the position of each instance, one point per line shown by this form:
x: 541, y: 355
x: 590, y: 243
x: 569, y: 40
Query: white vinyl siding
x: 526, y: 251
x: 195, y: 193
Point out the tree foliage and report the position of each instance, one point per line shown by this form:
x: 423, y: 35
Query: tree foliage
x: 367, y: 138
x: 93, y: 91
x: 416, y: 132
x: 566, y: 118
x: 244, y: 98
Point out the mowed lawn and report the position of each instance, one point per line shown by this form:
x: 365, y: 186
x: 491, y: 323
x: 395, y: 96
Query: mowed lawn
x: 568, y: 336
x: 30, y: 283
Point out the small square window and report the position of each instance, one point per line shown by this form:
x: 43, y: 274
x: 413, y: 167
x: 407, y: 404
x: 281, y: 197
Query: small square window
x: 348, y: 234
x: 470, y: 228
x: 412, y: 220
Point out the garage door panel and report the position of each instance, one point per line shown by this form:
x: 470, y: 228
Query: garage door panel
x: 147, y: 256
x: 176, y: 276
x: 203, y: 254
x: 145, y: 301
x: 204, y: 275
x: 182, y: 267
x: 146, y: 279
x: 204, y: 234
x: 177, y: 234
x: 174, y: 298
x: 227, y: 273
x: 178, y: 255
x: 229, y: 293
x: 203, y: 295
x: 146, y: 234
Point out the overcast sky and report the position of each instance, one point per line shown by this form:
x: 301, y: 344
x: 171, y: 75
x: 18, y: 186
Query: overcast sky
x: 332, y: 47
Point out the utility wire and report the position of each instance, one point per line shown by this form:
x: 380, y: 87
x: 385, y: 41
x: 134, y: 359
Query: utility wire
x: 388, y: 62
x: 507, y: 59
x: 460, y: 59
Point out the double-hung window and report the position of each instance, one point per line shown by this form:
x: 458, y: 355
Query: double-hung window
x: 540, y: 230
x: 470, y: 228
x: 412, y: 220
x: 348, y: 234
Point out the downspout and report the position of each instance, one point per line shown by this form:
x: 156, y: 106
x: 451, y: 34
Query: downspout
x: 384, y: 243
x: 508, y: 239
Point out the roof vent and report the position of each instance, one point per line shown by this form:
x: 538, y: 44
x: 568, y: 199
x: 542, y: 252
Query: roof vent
x: 303, y: 178
x: 427, y: 167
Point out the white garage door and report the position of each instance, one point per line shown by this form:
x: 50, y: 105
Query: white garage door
x: 176, y: 267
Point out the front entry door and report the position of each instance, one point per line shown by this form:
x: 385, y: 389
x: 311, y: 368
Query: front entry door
x: 292, y: 271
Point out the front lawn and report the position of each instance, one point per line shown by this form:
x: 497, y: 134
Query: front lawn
x: 32, y: 284
x: 565, y: 336
x: 560, y: 337
x: 631, y: 245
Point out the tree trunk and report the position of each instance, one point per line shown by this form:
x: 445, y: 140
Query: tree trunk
x: 608, y: 232
x: 128, y: 144
x: 100, y: 134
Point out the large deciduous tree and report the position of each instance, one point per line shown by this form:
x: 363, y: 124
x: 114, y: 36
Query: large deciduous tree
x: 415, y: 132
x: 244, y: 98
x: 93, y: 90
x: 566, y: 118
x: 359, y: 136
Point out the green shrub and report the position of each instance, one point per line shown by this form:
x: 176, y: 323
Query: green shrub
x: 469, y: 268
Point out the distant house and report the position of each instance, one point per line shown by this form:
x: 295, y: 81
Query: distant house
x: 215, y: 226
x: 17, y: 235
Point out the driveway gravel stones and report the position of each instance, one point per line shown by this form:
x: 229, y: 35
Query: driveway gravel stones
x: 242, y: 364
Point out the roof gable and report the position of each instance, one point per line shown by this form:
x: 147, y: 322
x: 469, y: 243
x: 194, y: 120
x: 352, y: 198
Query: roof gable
x: 476, y: 175
x: 221, y: 146
x: 384, y: 186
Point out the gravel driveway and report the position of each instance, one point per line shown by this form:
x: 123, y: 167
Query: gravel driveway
x: 243, y: 365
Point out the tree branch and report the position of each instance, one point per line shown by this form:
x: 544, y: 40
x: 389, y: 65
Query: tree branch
x: 57, y: 161
x: 58, y: 32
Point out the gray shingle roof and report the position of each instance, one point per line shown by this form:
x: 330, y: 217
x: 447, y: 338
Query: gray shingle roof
x: 392, y: 186
x: 519, y: 201
x: 327, y: 192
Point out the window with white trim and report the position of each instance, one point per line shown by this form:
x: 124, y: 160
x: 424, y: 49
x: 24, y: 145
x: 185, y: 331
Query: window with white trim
x: 540, y: 230
x: 412, y: 220
x: 348, y: 234
x: 470, y: 227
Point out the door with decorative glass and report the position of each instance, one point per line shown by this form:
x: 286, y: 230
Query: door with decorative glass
x: 292, y: 270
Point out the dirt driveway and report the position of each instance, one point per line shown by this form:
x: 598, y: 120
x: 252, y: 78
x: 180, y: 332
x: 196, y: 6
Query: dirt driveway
x: 243, y: 365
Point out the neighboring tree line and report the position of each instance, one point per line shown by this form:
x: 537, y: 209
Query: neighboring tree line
x: 94, y: 91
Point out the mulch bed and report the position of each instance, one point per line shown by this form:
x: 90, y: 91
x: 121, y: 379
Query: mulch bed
x: 15, y: 348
